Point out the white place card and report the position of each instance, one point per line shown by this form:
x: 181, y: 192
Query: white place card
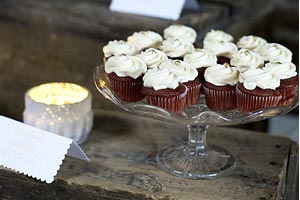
x: 166, y: 9
x: 34, y: 152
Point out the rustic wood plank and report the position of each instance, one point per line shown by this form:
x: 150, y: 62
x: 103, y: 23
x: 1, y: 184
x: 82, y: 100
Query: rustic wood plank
x: 292, y: 176
x: 93, y: 18
x: 122, y: 151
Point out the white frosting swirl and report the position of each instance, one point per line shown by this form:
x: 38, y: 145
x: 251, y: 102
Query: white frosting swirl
x: 245, y: 59
x: 153, y: 57
x: 181, y: 32
x: 116, y: 48
x: 183, y: 71
x: 200, y: 58
x: 175, y: 48
x: 274, y: 52
x: 158, y: 79
x: 259, y: 77
x: 125, y: 66
x: 221, y: 75
x: 145, y: 39
x: 282, y: 70
x: 251, y: 42
x: 217, y: 36
x: 226, y: 49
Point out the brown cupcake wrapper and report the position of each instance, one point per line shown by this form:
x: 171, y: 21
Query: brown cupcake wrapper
x: 247, y: 103
x: 220, y: 100
x: 288, y: 95
x: 127, y: 91
x: 175, y: 103
x: 193, y: 95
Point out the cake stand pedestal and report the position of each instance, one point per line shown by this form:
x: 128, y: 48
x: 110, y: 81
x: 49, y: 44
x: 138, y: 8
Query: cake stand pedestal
x: 195, y: 159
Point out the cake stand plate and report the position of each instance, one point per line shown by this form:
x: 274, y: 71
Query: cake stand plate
x: 194, y: 159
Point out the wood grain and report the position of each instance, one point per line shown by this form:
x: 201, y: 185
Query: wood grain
x: 122, y: 150
x: 44, y: 41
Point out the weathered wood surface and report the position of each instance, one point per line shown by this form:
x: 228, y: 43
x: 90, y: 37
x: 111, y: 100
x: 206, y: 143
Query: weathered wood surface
x: 33, y: 52
x: 93, y: 18
x: 122, y: 150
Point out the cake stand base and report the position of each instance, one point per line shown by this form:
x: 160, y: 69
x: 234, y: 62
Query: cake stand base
x: 181, y: 161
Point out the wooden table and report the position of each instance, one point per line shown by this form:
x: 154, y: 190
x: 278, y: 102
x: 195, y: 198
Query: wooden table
x: 122, y: 149
x: 62, y: 41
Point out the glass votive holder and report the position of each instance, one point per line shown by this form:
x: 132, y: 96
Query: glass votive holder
x: 61, y: 108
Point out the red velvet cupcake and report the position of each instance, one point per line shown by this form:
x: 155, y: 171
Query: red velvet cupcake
x: 220, y: 44
x: 220, y: 87
x: 125, y: 76
x: 245, y: 59
x: 126, y: 88
x: 257, y: 90
x: 162, y: 89
x: 288, y: 89
x: 181, y: 32
x: 289, y: 81
x: 187, y: 75
x: 117, y: 48
x: 176, y: 49
x: 200, y: 59
x: 145, y: 39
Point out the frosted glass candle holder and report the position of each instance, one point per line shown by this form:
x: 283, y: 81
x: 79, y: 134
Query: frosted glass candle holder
x: 61, y: 108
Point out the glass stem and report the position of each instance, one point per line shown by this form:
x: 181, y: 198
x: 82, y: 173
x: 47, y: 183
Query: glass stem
x: 197, y: 139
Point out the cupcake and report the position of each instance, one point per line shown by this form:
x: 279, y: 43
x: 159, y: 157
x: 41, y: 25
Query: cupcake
x: 252, y: 43
x: 273, y: 52
x: 289, y: 80
x: 117, y: 48
x: 223, y: 50
x: 125, y: 76
x: 220, y: 87
x: 200, y: 59
x: 187, y: 75
x: 220, y: 44
x: 145, y: 39
x: 245, y: 59
x: 180, y: 32
x: 152, y: 57
x: 176, y: 49
x: 214, y: 36
x: 257, y: 89
x: 163, y: 89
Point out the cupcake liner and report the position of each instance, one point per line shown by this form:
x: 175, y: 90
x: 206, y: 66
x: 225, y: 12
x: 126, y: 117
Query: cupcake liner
x: 175, y: 104
x: 129, y: 91
x: 248, y: 102
x: 172, y: 100
x: 220, y: 99
x: 288, y: 95
x: 288, y: 89
x: 193, y: 93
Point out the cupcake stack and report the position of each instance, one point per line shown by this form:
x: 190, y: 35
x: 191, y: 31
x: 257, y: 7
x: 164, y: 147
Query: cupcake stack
x: 171, y: 73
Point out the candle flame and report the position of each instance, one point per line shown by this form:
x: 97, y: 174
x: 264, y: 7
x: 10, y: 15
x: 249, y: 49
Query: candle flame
x: 58, y: 93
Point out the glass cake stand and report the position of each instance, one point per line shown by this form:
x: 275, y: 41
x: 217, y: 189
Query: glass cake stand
x: 194, y: 159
